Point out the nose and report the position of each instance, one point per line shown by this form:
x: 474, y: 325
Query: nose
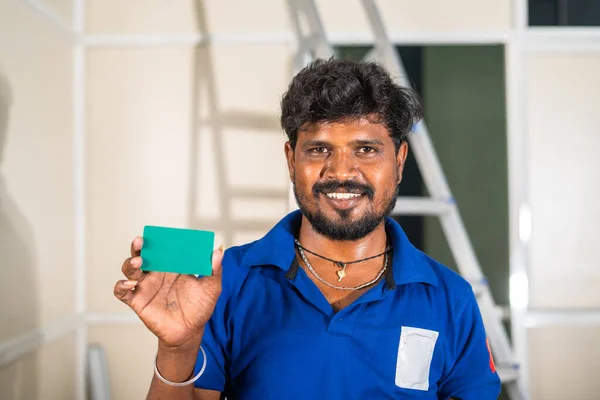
x: 340, y: 166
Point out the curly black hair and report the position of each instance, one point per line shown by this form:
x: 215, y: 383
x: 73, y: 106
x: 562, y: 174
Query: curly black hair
x: 337, y: 90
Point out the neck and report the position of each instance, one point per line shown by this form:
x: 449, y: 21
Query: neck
x: 372, y: 244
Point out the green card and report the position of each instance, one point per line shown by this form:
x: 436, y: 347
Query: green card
x: 182, y: 251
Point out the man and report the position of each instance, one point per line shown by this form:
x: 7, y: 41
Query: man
x: 334, y: 302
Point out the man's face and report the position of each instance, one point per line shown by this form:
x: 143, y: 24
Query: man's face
x: 345, y: 176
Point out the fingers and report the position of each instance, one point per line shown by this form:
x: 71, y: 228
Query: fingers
x: 217, y: 260
x: 212, y: 284
x: 136, y: 246
x: 124, y: 290
x: 132, y: 268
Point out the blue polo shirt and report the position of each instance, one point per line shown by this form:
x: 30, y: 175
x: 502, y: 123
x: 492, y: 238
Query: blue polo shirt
x: 417, y: 334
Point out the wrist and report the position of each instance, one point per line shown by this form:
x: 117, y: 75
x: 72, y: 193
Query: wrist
x: 176, y: 363
x: 188, y: 381
x: 190, y: 346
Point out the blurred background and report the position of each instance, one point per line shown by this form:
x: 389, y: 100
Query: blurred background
x: 119, y: 114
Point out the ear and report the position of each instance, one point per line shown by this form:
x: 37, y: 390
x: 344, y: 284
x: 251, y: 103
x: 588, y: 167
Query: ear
x: 401, y: 159
x: 291, y: 162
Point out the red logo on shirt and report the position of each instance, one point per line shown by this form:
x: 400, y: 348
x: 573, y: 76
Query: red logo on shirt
x: 492, y: 365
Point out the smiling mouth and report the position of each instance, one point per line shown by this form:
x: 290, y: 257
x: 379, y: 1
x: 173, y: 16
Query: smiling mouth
x: 343, y: 196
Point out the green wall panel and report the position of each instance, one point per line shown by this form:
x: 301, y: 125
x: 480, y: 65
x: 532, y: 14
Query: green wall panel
x: 464, y: 94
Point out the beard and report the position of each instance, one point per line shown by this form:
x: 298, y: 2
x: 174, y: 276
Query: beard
x: 344, y: 228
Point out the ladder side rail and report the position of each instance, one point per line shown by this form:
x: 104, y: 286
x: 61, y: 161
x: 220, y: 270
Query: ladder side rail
x: 322, y: 48
x: 420, y: 141
x: 437, y: 185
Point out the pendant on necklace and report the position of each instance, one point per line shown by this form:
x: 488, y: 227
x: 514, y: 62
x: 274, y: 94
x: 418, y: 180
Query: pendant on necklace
x: 342, y: 272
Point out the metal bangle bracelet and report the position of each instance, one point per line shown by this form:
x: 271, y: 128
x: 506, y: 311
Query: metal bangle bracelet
x: 188, y: 382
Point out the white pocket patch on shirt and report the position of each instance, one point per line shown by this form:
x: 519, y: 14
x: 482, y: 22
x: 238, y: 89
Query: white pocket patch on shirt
x: 415, y: 352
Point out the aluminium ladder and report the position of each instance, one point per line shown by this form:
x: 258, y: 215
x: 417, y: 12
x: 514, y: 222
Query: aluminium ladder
x: 312, y: 43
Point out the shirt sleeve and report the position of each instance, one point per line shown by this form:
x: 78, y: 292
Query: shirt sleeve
x: 215, y: 341
x: 473, y: 374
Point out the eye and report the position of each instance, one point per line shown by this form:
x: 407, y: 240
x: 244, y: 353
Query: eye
x: 367, y: 149
x: 319, y: 150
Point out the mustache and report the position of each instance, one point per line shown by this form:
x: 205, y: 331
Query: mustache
x: 350, y: 186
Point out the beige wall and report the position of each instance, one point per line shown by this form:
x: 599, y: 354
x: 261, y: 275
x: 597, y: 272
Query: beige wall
x: 36, y: 192
x: 62, y: 8
x: 36, y: 165
x: 248, y: 17
x: 47, y: 373
x: 565, y: 362
x: 193, y: 141
x: 563, y: 99
x: 563, y: 119
x: 420, y: 16
x: 138, y: 130
x: 130, y: 352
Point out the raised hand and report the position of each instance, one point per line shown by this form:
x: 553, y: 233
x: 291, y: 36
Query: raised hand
x: 174, y: 307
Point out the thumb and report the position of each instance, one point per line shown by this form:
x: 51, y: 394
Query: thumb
x: 217, y: 260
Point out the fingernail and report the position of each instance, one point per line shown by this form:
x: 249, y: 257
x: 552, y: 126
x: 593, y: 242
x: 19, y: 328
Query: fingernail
x: 130, y: 283
x: 136, y: 261
x: 222, y: 248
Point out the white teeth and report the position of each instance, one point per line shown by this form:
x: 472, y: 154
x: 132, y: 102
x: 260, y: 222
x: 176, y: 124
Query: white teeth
x: 342, y: 195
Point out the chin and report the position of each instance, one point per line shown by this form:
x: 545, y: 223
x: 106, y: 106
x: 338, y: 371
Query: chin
x: 353, y: 226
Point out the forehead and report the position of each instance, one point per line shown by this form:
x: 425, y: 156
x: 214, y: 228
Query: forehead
x: 345, y: 131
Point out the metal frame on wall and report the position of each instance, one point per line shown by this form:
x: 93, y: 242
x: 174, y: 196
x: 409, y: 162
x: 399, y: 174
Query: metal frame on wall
x: 525, y: 43
x: 520, y: 41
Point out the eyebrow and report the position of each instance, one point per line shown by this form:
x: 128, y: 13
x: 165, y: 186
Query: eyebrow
x: 368, y: 142
x: 316, y: 143
x: 357, y: 142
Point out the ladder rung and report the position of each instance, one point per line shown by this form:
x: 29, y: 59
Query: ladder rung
x: 508, y: 373
x: 422, y: 206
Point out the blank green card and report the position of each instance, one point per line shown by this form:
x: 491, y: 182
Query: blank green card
x: 181, y: 251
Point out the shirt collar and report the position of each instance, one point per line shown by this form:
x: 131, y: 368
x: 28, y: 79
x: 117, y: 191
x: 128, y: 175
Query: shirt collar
x: 276, y: 248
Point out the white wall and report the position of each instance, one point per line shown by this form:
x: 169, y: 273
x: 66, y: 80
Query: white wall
x: 564, y: 171
x: 563, y: 99
x: 36, y: 191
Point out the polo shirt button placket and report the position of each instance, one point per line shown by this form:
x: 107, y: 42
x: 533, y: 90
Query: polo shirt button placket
x: 344, y: 321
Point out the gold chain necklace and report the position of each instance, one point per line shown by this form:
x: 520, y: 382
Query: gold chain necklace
x: 364, y: 285
x: 341, y: 273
